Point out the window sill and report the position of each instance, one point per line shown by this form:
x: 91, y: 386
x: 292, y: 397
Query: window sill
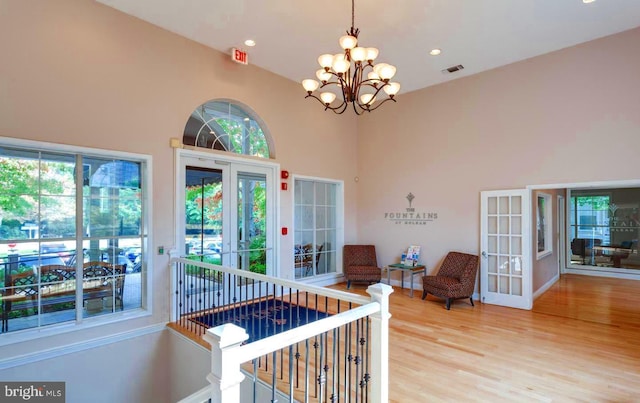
x: 62, y: 328
x: 542, y: 255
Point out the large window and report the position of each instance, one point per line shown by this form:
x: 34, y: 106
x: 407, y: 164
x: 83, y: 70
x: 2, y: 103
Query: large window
x: 72, y: 237
x: 604, y: 228
x: 317, y: 226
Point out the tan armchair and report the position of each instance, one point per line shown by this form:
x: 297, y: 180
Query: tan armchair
x: 455, y: 279
x: 360, y: 264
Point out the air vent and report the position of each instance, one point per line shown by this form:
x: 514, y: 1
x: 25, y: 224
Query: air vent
x: 452, y: 69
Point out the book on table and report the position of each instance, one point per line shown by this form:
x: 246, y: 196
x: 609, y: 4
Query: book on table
x: 411, y: 257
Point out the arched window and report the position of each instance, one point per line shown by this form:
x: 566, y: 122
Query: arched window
x: 228, y: 126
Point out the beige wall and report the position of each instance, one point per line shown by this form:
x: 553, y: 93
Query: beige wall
x: 113, y: 372
x: 568, y: 116
x: 77, y: 72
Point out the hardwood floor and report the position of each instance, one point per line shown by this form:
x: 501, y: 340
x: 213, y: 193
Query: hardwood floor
x: 581, y: 342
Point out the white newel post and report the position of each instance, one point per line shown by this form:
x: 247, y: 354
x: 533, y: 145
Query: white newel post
x: 380, y: 343
x: 225, y: 376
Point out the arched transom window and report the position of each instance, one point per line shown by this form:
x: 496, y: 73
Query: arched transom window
x: 228, y: 126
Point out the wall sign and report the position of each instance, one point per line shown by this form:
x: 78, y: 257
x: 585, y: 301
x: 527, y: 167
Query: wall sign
x: 410, y: 216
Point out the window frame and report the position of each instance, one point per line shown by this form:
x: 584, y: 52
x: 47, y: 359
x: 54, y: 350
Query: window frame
x: 547, y: 222
x: 339, y: 225
x: 146, y: 308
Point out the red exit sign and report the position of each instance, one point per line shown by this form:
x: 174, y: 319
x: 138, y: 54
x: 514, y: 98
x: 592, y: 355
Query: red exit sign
x: 239, y: 56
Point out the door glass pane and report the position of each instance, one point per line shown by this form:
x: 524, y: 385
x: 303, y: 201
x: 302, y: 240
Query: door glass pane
x: 492, y: 264
x: 504, y: 205
x: 504, y: 264
x: 493, y: 225
x: 492, y: 205
x: 203, y: 218
x: 504, y: 245
x: 516, y: 225
x: 516, y: 205
x: 516, y: 246
x: 492, y: 244
x: 504, y: 225
x: 516, y: 283
x: 493, y: 283
x: 252, y: 221
x: 504, y: 285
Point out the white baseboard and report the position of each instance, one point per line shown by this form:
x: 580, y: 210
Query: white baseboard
x: 546, y: 286
x: 55, y: 352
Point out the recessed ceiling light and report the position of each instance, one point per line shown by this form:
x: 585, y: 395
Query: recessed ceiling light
x: 588, y: 1
x: 435, y: 52
x: 250, y: 42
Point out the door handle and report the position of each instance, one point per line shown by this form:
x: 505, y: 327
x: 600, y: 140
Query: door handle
x: 484, y: 254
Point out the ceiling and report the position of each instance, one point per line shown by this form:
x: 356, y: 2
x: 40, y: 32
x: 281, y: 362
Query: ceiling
x: 479, y: 34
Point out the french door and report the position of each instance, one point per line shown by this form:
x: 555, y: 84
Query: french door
x: 505, y: 265
x: 226, y: 212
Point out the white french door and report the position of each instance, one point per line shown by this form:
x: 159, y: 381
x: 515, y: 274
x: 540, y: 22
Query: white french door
x: 226, y: 211
x: 505, y: 264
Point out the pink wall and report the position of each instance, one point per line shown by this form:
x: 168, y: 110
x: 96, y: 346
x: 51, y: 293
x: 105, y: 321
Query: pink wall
x: 78, y: 72
x: 568, y: 116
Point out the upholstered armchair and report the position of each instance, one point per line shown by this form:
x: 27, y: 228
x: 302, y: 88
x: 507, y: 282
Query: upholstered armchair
x: 360, y: 264
x: 455, y: 279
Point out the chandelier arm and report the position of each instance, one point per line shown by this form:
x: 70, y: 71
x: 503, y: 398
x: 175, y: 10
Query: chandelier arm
x: 343, y: 105
x: 380, y: 104
x: 357, y: 105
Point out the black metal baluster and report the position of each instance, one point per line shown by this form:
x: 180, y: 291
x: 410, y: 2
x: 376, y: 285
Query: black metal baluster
x: 347, y: 362
x: 281, y: 314
x: 273, y: 378
x: 357, y: 360
x: 367, y: 375
x: 306, y: 371
x: 255, y: 379
x: 320, y: 374
x: 334, y: 358
x: 297, y: 344
x: 291, y: 373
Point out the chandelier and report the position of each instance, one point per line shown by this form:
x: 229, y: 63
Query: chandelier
x: 353, y: 75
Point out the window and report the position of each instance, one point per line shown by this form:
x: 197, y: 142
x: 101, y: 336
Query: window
x: 317, y: 226
x: 544, y: 225
x: 228, y: 126
x: 604, y: 228
x: 72, y: 242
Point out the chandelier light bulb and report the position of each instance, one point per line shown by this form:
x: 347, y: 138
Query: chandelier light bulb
x: 391, y: 88
x: 310, y: 85
x: 373, y: 76
x: 340, y: 65
x: 372, y: 53
x: 325, y: 60
x: 348, y: 42
x: 367, y: 99
x: 323, y: 75
x: 327, y: 97
x: 359, y: 54
x: 384, y: 71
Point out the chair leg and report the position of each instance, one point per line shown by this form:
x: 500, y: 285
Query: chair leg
x: 448, y: 304
x: 424, y: 294
x: 348, y: 284
x: 471, y: 300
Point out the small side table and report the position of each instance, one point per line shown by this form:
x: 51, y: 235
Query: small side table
x: 412, y: 270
